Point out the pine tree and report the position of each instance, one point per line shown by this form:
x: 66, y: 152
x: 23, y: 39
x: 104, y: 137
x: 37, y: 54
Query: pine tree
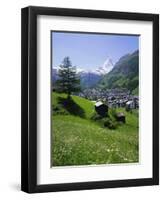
x: 68, y: 81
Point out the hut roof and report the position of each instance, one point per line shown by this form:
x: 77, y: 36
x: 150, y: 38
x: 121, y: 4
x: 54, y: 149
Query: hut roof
x: 120, y: 114
x: 99, y: 103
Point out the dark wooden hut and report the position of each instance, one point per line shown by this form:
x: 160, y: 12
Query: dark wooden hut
x: 121, y: 117
x: 101, y: 108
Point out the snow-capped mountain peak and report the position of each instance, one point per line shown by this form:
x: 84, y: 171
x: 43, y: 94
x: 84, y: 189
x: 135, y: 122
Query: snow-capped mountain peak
x: 103, y: 69
x: 106, y: 67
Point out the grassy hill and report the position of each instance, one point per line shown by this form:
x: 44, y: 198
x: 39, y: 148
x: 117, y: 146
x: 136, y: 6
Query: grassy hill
x: 78, y: 140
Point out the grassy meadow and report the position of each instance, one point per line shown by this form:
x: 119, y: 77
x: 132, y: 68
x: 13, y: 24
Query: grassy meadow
x: 79, y: 140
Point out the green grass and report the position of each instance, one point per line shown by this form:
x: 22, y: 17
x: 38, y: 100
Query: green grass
x: 77, y: 140
x: 78, y: 105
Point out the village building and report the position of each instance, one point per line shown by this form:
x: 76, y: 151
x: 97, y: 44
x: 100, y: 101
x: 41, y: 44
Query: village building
x: 113, y: 98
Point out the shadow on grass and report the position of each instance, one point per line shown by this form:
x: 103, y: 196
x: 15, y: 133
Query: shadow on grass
x: 71, y: 106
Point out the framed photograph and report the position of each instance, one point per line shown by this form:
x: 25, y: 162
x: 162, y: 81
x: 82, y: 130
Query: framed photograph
x: 90, y: 99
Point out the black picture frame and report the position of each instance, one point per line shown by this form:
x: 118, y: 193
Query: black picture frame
x: 29, y: 99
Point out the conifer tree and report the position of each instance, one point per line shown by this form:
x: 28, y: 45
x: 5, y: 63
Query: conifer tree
x: 68, y: 81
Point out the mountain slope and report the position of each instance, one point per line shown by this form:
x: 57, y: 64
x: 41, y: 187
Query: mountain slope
x: 125, y: 74
x: 89, y: 79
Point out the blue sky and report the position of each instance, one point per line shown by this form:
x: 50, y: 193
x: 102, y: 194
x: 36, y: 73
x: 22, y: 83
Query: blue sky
x: 89, y: 51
